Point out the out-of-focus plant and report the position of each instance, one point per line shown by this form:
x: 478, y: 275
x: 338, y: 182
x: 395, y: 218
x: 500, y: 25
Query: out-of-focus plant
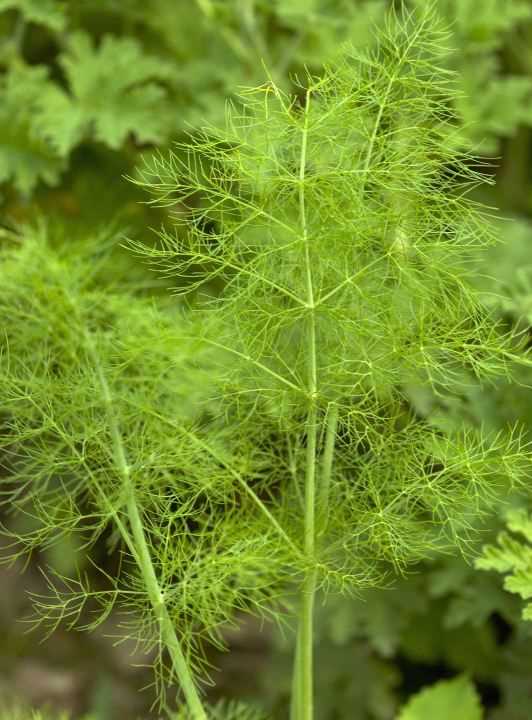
x: 443, y: 700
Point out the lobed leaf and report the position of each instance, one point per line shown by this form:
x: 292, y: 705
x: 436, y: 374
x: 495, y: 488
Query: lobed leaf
x: 445, y: 699
x: 115, y: 90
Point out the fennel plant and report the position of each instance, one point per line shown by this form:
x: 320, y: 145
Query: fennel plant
x: 261, y: 438
x: 338, y: 224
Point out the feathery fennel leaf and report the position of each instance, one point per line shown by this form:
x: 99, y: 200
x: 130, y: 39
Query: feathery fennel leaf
x: 264, y: 441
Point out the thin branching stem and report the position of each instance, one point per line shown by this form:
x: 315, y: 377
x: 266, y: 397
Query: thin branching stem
x: 193, y: 437
x: 138, y: 544
x: 327, y: 466
x: 280, y: 378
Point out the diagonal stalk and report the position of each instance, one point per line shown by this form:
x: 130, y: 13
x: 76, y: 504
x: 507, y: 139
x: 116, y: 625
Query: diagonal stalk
x: 139, y: 548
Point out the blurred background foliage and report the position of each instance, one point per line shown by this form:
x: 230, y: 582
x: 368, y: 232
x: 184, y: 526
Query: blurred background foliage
x: 88, y: 87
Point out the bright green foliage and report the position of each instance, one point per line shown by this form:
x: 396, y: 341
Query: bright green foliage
x: 328, y: 189
x: 220, y: 45
x: 495, y: 99
x: 26, y: 157
x: 513, y: 556
x: 505, y: 281
x: 112, y: 93
x: 506, y: 277
x: 483, y: 25
x: 43, y: 12
x: 447, y: 699
x: 104, y: 401
x: 320, y: 27
x: 341, y: 250
x: 441, y: 615
x: 498, y: 112
x: 285, y: 431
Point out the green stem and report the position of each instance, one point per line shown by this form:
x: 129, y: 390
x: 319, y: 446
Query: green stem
x: 306, y: 629
x: 326, y: 466
x: 295, y: 688
x: 303, y: 707
x: 138, y: 544
x: 166, y: 626
x: 303, y: 702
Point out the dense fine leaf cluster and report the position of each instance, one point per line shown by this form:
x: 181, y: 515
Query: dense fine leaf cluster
x: 107, y: 403
x: 331, y: 222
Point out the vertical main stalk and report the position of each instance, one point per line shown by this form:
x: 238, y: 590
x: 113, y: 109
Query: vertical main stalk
x: 306, y: 617
x: 304, y: 660
x: 303, y: 678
